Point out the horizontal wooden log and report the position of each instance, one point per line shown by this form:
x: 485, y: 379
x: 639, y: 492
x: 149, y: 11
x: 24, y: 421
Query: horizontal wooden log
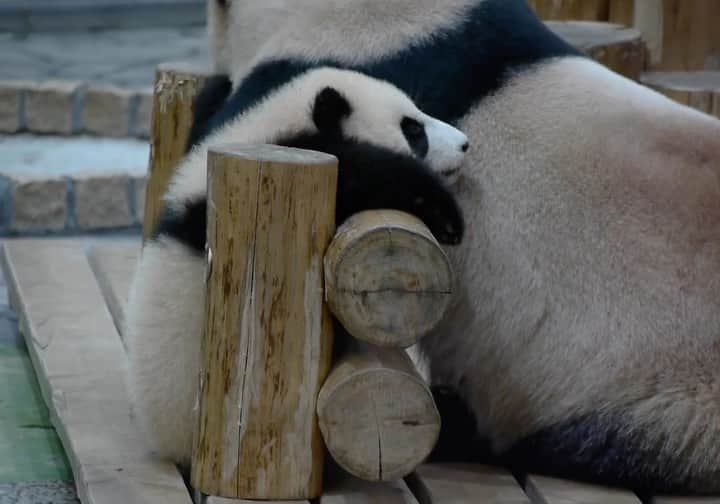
x: 620, y: 49
x: 699, y: 90
x: 267, y: 339
x: 386, y: 278
x: 376, y: 413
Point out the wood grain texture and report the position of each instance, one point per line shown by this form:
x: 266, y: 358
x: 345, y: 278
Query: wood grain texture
x: 587, y: 10
x: 699, y: 90
x: 619, y: 48
x: 681, y: 35
x: 80, y: 364
x: 621, y: 12
x: 377, y: 415
x: 176, y: 86
x: 691, y: 39
x: 468, y: 484
x: 114, y: 266
x: 386, y: 278
x: 267, y: 339
x: 543, y: 490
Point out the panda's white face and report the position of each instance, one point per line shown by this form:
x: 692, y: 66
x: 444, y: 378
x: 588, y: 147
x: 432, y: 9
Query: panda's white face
x: 383, y: 115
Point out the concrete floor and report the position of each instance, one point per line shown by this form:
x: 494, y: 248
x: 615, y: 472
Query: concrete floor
x: 125, y: 58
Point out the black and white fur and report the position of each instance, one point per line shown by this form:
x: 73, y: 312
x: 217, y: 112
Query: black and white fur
x: 585, y: 338
x: 391, y: 155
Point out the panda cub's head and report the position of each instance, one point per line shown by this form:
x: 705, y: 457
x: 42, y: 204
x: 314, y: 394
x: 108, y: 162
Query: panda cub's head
x: 391, y: 154
x: 376, y: 112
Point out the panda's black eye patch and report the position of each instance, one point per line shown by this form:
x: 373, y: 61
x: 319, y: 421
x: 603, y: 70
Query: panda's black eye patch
x: 415, y: 135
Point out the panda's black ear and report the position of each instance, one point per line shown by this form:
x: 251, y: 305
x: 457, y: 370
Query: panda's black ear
x: 329, y: 109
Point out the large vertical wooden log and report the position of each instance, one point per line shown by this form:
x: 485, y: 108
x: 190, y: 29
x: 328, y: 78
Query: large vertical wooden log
x: 176, y: 86
x: 680, y: 34
x: 267, y: 339
x: 561, y: 10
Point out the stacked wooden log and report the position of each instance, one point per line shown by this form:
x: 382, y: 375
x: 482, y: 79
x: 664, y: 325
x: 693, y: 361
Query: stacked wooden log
x: 388, y: 282
x: 268, y: 334
x: 619, y: 48
x: 680, y: 36
x: 684, y: 46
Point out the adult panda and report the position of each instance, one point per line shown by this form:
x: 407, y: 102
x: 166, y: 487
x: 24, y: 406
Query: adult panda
x: 585, y: 338
x: 391, y: 155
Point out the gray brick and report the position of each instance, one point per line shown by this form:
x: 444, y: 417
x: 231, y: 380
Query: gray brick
x: 39, y: 205
x: 102, y: 202
x: 49, y: 107
x: 11, y: 96
x: 139, y: 185
x: 143, y: 120
x: 106, y: 111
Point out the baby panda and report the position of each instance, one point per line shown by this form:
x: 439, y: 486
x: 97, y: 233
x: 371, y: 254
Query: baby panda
x: 391, y: 155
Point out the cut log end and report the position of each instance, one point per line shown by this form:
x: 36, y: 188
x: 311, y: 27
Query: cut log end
x: 619, y: 48
x: 377, y: 415
x: 699, y: 90
x: 386, y: 278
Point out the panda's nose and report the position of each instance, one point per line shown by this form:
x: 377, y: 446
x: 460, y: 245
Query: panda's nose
x: 465, y: 147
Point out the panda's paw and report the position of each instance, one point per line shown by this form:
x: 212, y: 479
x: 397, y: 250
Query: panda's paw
x: 442, y: 215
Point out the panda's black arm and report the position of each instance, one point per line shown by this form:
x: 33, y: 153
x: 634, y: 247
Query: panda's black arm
x: 186, y: 224
x: 208, y: 102
x: 373, y: 178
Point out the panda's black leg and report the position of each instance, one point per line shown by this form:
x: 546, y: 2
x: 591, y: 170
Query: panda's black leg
x: 459, y: 441
x: 593, y: 449
x: 187, y: 225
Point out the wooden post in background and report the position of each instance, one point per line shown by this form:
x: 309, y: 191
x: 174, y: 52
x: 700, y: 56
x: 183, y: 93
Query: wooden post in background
x: 586, y: 10
x: 176, y: 86
x: 619, y: 48
x: 699, y: 90
x: 267, y: 341
x: 682, y: 35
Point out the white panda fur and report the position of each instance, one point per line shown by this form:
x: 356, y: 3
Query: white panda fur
x: 589, y: 302
x: 165, y: 306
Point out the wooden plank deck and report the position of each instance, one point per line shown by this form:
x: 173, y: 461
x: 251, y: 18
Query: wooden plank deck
x: 114, y: 267
x: 544, y: 490
x: 69, y: 313
x: 80, y: 364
